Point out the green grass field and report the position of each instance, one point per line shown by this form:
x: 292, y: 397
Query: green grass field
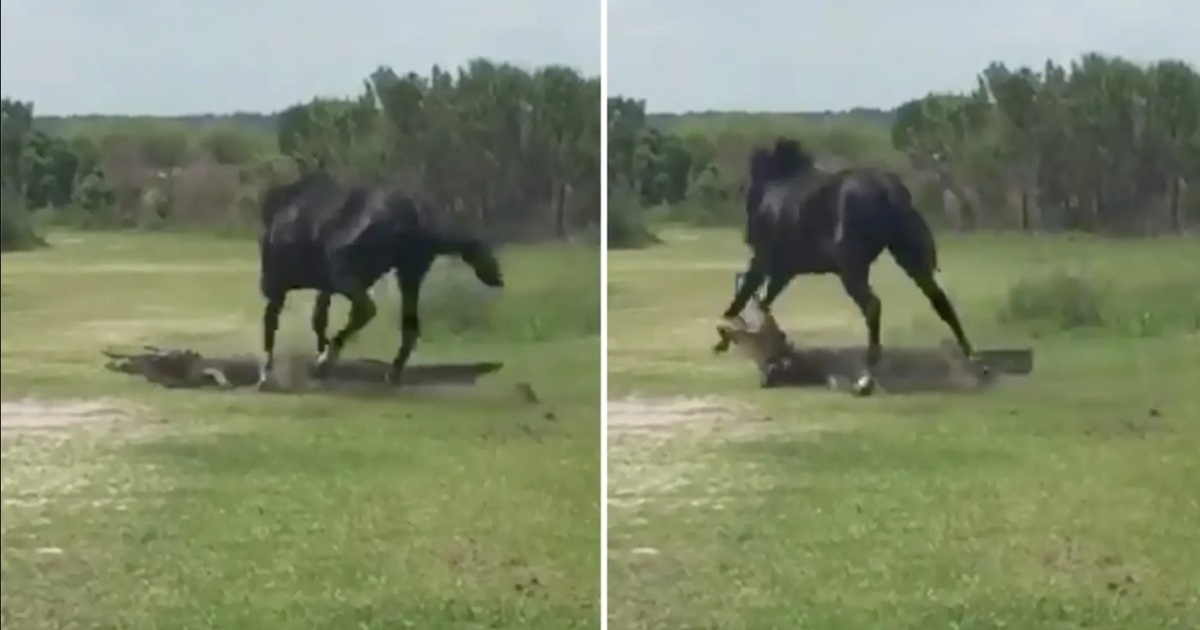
x: 1070, y: 499
x: 152, y: 508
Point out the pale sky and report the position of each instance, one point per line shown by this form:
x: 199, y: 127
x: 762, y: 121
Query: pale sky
x: 789, y: 55
x: 198, y: 56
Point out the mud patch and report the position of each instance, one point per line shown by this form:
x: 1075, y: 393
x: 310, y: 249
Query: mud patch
x: 783, y: 363
x: 296, y: 373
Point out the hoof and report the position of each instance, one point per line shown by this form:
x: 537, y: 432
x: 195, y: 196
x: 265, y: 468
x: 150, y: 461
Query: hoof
x: 982, y: 371
x: 864, y: 386
x: 266, y: 373
x: 325, y: 361
x: 394, y: 377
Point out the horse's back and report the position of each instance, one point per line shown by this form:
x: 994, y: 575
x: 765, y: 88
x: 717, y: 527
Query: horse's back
x: 295, y: 218
x: 318, y: 223
x: 298, y: 212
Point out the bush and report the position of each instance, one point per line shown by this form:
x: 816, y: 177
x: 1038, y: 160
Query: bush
x: 16, y: 225
x: 1061, y: 300
x: 1065, y: 302
x: 627, y: 227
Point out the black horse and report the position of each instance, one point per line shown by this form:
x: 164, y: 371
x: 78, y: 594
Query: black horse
x: 318, y: 233
x: 802, y: 220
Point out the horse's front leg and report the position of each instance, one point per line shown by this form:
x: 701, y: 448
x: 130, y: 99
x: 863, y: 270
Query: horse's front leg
x: 320, y: 320
x: 410, y: 322
x: 775, y: 285
x: 751, y: 281
x: 270, y: 326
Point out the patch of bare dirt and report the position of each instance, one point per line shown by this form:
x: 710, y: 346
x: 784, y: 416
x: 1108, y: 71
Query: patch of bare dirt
x: 635, y: 413
x: 52, y: 450
x: 32, y: 415
x: 658, y: 451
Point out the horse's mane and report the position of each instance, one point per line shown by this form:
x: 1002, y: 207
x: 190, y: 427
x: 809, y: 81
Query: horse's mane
x: 782, y: 161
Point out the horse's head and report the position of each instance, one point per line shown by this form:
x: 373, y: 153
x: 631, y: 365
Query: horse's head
x: 782, y: 161
x: 789, y: 159
x: 482, y: 258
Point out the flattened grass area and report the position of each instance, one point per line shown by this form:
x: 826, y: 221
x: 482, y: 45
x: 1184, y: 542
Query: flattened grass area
x: 205, y: 509
x: 1066, y: 500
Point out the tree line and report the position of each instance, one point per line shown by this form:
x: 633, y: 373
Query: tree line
x: 510, y: 151
x: 1099, y: 145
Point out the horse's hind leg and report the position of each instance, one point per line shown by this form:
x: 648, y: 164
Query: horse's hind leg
x: 923, y: 277
x: 857, y: 283
x: 914, y: 252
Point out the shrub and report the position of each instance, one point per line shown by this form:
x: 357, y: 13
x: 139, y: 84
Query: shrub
x: 1065, y: 302
x: 1061, y: 300
x: 627, y: 227
x: 16, y: 225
